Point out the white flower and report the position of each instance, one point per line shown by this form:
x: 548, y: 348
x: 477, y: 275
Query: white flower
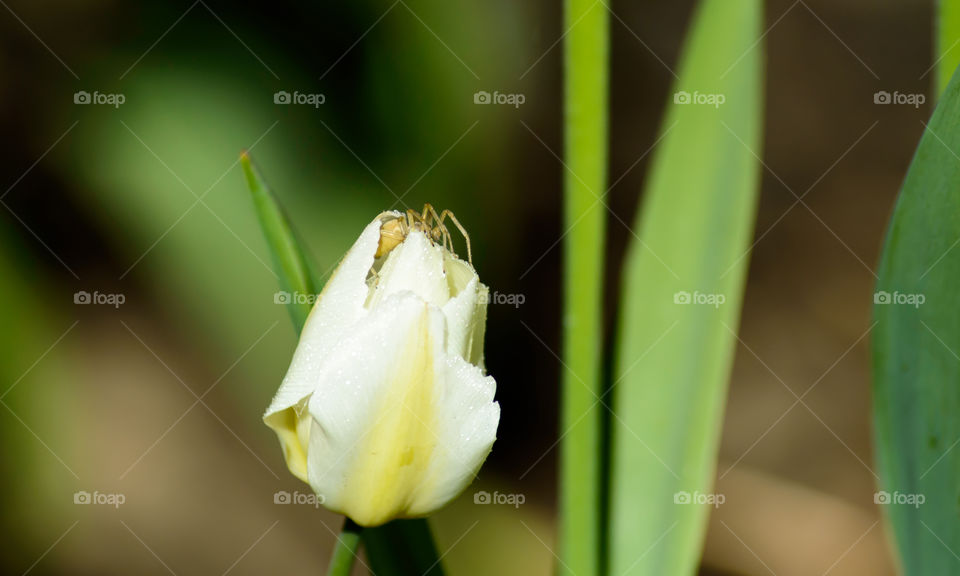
x: 385, y: 410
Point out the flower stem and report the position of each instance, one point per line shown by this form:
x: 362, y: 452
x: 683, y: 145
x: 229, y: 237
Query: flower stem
x: 345, y: 551
x: 585, y: 143
x: 947, y: 35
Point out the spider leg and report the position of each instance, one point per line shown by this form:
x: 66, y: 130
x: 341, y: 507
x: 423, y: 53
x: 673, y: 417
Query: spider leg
x: 438, y: 231
x: 447, y: 213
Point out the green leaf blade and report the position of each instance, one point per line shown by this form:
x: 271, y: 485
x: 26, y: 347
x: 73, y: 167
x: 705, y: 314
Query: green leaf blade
x: 915, y: 346
x: 673, y: 360
x: 289, y: 258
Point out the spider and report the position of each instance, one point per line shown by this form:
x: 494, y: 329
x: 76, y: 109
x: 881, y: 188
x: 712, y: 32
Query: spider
x: 429, y: 222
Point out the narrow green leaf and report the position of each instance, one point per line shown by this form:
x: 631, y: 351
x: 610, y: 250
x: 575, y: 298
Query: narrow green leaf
x: 585, y: 141
x: 401, y: 546
x: 289, y: 259
x: 947, y: 48
x: 916, y: 342
x: 682, y: 292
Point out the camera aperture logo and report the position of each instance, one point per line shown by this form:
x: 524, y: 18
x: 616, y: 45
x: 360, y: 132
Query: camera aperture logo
x: 887, y: 498
x: 283, y: 498
x: 84, y: 97
x: 483, y: 498
x: 84, y: 498
x: 683, y: 97
x: 883, y: 98
x: 700, y: 298
x: 284, y: 97
x: 683, y: 497
x: 484, y: 97
x: 84, y: 297
x: 883, y: 298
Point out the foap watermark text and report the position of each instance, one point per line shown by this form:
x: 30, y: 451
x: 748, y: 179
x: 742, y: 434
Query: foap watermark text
x: 700, y: 298
x: 283, y: 498
x: 899, y: 498
x: 84, y: 498
x: 483, y: 497
x: 284, y: 97
x: 515, y: 300
x: 883, y: 98
x: 915, y: 300
x: 703, y: 99
x: 683, y: 497
x: 83, y: 297
x: 284, y: 297
x: 84, y: 97
x: 484, y: 97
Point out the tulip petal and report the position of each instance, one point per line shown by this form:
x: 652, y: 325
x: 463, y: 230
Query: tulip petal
x: 372, y: 435
x: 415, y: 265
x: 460, y: 312
x: 466, y: 311
x: 396, y: 430
x: 338, y: 306
x: 479, y: 328
x: 467, y: 429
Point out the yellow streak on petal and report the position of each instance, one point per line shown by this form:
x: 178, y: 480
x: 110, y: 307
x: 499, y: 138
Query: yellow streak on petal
x: 389, y: 471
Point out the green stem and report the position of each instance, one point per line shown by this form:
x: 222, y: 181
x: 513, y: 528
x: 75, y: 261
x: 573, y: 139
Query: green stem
x: 345, y: 551
x: 402, y: 547
x: 946, y: 48
x: 585, y: 141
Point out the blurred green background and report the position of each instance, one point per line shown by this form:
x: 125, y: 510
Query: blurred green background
x: 146, y: 200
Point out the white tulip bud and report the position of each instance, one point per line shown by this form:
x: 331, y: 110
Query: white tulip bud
x: 385, y: 410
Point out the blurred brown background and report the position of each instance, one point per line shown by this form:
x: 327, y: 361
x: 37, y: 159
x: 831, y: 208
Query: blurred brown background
x: 159, y: 399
